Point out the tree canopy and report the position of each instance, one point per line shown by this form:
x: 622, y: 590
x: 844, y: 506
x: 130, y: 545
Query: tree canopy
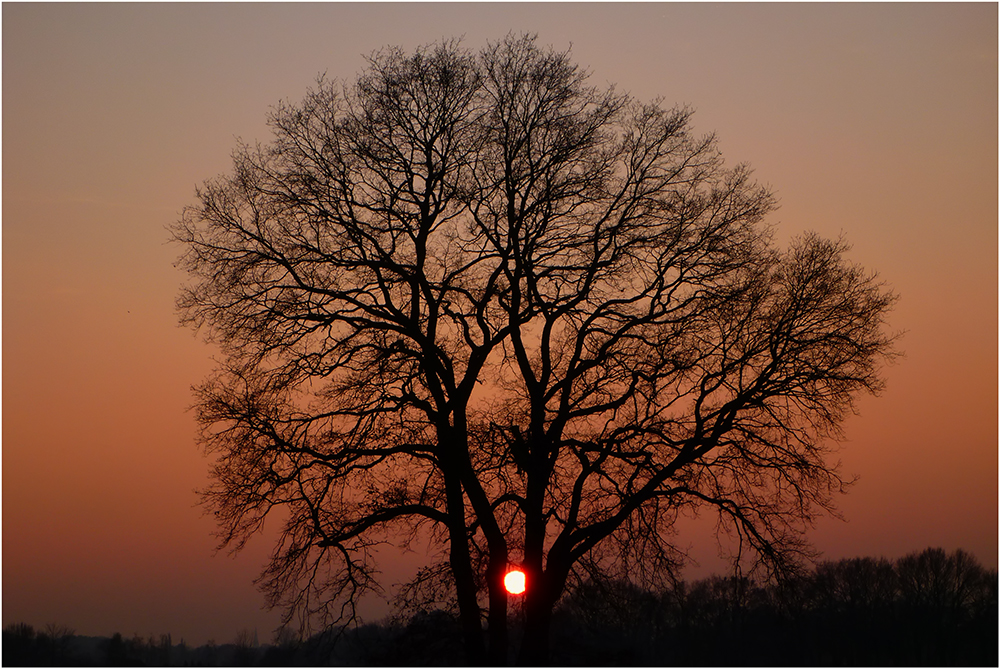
x: 471, y: 295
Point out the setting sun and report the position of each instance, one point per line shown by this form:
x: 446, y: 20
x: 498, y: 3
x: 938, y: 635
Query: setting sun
x: 514, y: 582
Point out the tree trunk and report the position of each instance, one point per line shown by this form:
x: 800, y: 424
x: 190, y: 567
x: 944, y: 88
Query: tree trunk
x: 468, y: 605
x: 538, y: 600
x: 498, y: 609
x: 461, y: 567
x: 537, y: 626
x: 539, y: 605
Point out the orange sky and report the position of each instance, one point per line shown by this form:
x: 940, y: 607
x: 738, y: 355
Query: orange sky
x: 875, y: 121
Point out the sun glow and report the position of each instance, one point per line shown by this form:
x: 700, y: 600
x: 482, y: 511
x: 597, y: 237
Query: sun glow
x: 514, y: 581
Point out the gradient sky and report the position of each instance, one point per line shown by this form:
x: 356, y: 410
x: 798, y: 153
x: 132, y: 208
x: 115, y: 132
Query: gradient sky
x: 878, y: 122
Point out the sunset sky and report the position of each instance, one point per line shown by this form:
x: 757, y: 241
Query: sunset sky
x: 877, y: 122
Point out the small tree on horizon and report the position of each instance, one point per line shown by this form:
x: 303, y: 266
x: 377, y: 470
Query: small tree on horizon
x: 472, y: 295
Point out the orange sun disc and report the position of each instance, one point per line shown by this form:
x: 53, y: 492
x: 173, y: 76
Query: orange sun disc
x: 514, y: 582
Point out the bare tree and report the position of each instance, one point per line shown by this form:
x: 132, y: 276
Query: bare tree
x: 470, y: 294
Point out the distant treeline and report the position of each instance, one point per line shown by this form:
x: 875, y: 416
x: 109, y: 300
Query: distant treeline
x: 925, y: 609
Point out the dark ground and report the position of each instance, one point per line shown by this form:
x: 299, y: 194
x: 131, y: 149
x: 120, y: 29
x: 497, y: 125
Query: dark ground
x: 926, y: 609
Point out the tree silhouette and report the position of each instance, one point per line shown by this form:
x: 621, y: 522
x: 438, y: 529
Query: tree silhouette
x: 471, y: 295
